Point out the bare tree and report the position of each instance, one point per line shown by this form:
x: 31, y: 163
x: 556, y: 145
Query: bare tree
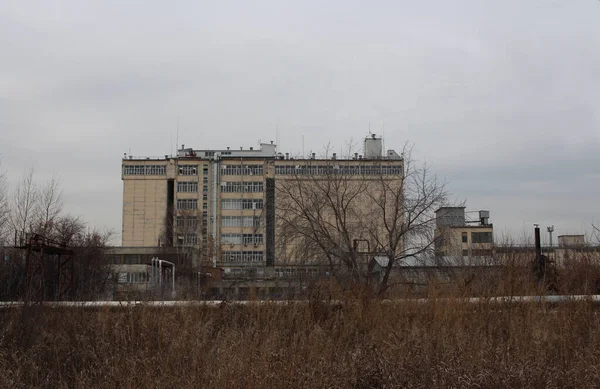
x: 24, y: 202
x: 48, y: 206
x: 36, y: 209
x: 4, y: 207
x: 332, y: 209
x: 187, y: 228
x: 91, y: 269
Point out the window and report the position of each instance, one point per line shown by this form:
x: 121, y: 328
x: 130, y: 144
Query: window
x: 187, y: 221
x: 242, y: 187
x: 187, y: 239
x: 243, y: 256
x: 188, y: 170
x: 465, y: 237
x: 341, y: 169
x: 295, y: 273
x: 481, y: 237
x: 242, y: 204
x: 246, y: 239
x: 231, y: 238
x: 242, y: 170
x: 183, y: 204
x: 465, y: 253
x: 132, y: 259
x: 205, y: 197
x: 187, y: 186
x: 252, y: 239
x: 144, y: 170
x: 114, y: 259
x: 132, y: 278
x: 241, y: 221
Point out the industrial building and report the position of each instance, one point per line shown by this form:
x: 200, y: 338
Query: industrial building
x: 459, y: 237
x: 224, y: 203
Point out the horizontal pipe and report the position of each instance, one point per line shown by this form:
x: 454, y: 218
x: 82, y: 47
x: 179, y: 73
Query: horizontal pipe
x: 198, y: 303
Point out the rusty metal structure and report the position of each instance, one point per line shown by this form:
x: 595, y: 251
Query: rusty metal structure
x: 50, y: 271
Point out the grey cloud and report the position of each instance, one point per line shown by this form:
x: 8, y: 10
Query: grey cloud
x: 499, y: 97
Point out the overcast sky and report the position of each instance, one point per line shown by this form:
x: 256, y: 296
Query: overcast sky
x: 500, y: 97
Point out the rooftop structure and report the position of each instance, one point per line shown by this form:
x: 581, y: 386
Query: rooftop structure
x: 458, y: 237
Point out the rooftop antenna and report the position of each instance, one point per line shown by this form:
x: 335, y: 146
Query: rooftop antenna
x: 302, y: 145
x: 277, y: 134
x: 383, y: 138
x: 177, y: 139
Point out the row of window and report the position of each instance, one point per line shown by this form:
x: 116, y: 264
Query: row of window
x: 186, y: 204
x: 350, y: 170
x: 187, y: 239
x: 481, y: 237
x: 243, y: 256
x: 242, y: 187
x: 241, y: 238
x: 477, y: 237
x: 242, y: 170
x: 186, y: 221
x: 242, y: 204
x: 187, y: 186
x: 301, y: 273
x: 126, y: 259
x: 188, y: 170
x: 144, y: 170
x: 241, y: 221
x: 132, y: 278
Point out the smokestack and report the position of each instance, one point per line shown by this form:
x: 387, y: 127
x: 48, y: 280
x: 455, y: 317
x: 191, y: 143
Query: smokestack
x: 538, y: 243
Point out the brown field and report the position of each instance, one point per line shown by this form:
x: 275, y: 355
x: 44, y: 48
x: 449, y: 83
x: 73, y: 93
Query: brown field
x: 359, y: 344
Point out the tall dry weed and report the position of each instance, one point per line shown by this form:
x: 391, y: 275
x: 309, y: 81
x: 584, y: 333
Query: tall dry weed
x: 340, y: 344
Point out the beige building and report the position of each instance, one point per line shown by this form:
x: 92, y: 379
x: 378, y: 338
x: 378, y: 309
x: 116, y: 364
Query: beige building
x: 571, y: 241
x: 224, y: 202
x: 457, y: 237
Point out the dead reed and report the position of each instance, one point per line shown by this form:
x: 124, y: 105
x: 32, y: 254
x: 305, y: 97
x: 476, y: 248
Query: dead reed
x: 356, y: 344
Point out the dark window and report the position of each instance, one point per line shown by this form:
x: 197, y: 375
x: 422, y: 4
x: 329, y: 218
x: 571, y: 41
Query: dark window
x: 481, y: 237
x: 465, y: 237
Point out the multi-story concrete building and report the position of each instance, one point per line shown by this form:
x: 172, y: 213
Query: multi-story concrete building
x: 223, y: 202
x: 456, y: 237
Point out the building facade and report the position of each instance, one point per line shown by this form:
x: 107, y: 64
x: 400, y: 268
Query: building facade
x: 224, y: 203
x: 456, y: 237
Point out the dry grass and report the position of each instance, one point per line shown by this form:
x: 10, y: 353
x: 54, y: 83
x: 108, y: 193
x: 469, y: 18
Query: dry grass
x: 356, y: 345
